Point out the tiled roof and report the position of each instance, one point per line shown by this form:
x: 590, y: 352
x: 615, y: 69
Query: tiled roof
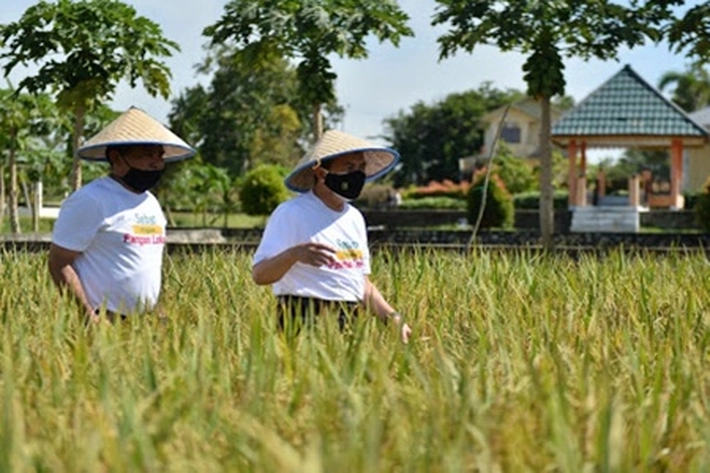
x: 701, y: 117
x: 626, y: 105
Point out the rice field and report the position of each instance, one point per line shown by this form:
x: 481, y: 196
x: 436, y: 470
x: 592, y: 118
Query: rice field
x: 518, y: 363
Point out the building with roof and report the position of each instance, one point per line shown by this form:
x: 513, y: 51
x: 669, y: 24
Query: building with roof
x: 520, y: 131
x: 627, y: 112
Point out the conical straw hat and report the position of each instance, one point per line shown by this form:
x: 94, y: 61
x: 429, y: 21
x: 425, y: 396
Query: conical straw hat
x: 135, y: 127
x: 379, y: 160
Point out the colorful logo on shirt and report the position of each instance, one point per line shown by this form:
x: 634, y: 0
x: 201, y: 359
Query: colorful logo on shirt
x: 145, y: 231
x: 347, y: 256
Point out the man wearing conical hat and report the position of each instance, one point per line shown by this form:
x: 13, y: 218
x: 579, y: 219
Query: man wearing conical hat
x: 314, y: 250
x: 108, y: 241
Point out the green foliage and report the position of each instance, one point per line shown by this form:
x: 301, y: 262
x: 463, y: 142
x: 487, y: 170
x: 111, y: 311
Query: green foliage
x: 262, y: 190
x: 202, y: 188
x: 690, y: 199
x: 702, y: 208
x: 517, y: 175
x: 498, y: 211
x: 531, y: 200
x: 692, y: 87
x: 440, y: 202
x: 688, y: 33
x: 634, y: 161
x: 434, y: 137
x: 246, y: 116
x: 309, y: 33
x: 84, y: 48
x: 534, y: 356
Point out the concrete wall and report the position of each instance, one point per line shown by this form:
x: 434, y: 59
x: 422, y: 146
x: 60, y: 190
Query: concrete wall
x: 698, y: 168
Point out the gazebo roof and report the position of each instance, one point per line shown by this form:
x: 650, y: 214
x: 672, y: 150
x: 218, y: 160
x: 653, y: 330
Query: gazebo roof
x: 626, y: 111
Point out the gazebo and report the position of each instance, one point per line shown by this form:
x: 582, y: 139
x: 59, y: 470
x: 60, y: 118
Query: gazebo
x: 626, y: 112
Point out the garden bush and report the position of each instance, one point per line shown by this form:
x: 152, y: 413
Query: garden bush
x: 436, y: 203
x: 262, y: 190
x: 531, y: 200
x: 498, y: 211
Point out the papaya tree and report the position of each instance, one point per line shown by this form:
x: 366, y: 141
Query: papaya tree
x: 309, y: 32
x: 82, y: 50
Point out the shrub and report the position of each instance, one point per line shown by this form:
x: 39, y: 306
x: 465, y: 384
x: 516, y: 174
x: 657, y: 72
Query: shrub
x: 440, y: 203
x: 498, y: 211
x: 531, y: 200
x: 514, y: 171
x: 702, y: 208
x: 690, y: 199
x: 262, y: 190
x: 445, y: 188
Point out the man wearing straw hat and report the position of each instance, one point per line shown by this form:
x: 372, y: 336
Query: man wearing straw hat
x: 108, y: 241
x: 314, y: 250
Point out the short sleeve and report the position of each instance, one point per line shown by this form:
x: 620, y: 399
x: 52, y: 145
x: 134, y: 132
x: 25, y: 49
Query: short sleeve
x: 78, y: 222
x: 278, y: 235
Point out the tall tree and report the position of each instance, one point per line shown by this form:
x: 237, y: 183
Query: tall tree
x: 83, y: 49
x: 434, y: 137
x: 546, y: 32
x: 308, y: 32
x: 691, y: 88
x: 241, y: 111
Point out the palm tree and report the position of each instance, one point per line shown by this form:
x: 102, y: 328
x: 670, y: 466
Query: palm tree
x: 691, y: 89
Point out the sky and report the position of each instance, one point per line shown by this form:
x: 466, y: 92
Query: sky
x: 390, y: 80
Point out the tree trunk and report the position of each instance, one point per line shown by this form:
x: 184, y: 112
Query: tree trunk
x: 317, y: 122
x: 36, y: 205
x: 79, y: 113
x: 14, y: 189
x: 547, y: 217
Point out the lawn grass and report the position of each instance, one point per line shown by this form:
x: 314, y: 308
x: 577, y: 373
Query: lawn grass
x: 518, y: 363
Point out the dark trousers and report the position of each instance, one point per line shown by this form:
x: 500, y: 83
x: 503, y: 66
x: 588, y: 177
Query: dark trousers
x: 296, y: 312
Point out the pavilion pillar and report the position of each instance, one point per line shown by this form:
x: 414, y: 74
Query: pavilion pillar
x: 572, y: 173
x: 581, y: 197
x: 634, y: 194
x: 601, y: 183
x: 677, y: 200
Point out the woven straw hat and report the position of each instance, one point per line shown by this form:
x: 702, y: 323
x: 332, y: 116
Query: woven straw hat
x: 379, y: 160
x: 135, y: 127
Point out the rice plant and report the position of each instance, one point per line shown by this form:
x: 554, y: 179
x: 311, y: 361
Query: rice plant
x: 518, y: 363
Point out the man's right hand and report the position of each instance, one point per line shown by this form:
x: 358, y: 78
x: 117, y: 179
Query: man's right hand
x: 314, y: 254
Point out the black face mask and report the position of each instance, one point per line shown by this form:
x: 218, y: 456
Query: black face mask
x: 348, y: 186
x: 140, y: 180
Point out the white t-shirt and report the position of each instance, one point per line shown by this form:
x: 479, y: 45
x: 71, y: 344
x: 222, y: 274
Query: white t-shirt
x: 121, y: 236
x: 306, y: 218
